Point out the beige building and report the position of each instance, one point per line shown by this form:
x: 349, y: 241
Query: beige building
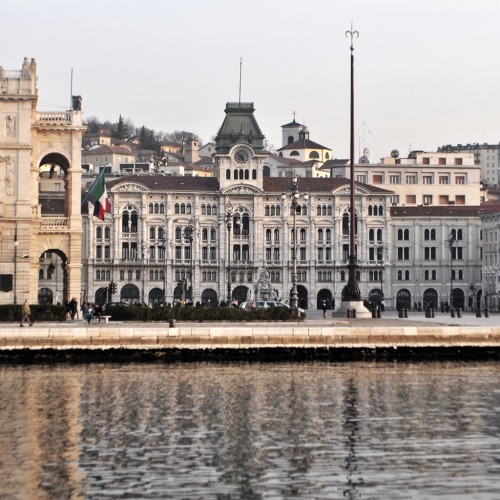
x: 40, y: 183
x: 422, y: 179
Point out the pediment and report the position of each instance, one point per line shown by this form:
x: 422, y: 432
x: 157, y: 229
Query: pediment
x: 245, y: 189
x: 129, y: 187
x: 346, y: 191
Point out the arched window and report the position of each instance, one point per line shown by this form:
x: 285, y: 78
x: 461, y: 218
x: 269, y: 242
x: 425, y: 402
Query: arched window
x: 323, y: 210
x: 209, y: 209
x: 427, y: 234
x: 247, y: 173
x: 273, y: 210
x: 327, y: 156
x: 157, y: 208
x: 214, y: 209
x: 459, y: 234
x: 213, y: 234
x: 342, y: 275
x: 304, y: 209
x: 375, y: 210
x: 203, y: 209
x: 254, y: 174
x: 329, y: 210
x: 314, y: 154
x: 434, y: 275
x: 162, y: 208
x: 160, y: 233
x: 98, y: 274
x: 433, y: 234
x: 379, y: 235
x: 328, y: 235
x: 152, y: 233
x: 266, y: 210
x: 370, y: 210
x: 276, y: 235
x: 188, y: 208
x: 303, y: 234
x: 125, y: 219
x: 460, y: 274
x: 106, y: 233
x: 98, y: 232
x: 235, y: 173
x: 371, y: 235
x: 278, y: 210
x: 183, y: 208
x: 345, y: 223
x: 381, y: 210
x: 426, y: 275
x: 150, y: 208
x: 204, y: 234
x: 228, y: 173
x: 318, y: 210
x: 407, y: 275
x: 241, y: 174
x: 246, y: 224
x: 294, y: 153
x: 268, y: 235
x: 290, y: 139
x: 178, y: 233
x: 320, y: 234
x: 122, y: 274
x: 400, y: 275
x: 40, y: 274
x: 134, y: 219
x: 176, y: 208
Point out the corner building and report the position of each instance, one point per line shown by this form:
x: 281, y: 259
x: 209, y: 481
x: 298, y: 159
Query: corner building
x: 207, y: 239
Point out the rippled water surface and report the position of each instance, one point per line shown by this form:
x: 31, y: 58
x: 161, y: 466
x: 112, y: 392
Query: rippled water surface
x: 354, y: 430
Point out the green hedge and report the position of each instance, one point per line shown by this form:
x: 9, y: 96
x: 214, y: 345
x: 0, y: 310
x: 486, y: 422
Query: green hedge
x: 44, y: 312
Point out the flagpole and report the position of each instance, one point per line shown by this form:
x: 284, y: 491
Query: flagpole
x: 92, y: 187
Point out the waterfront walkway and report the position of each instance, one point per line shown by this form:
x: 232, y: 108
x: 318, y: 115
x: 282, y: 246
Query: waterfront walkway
x: 390, y: 331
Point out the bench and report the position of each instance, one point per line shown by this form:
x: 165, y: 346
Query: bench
x: 106, y: 318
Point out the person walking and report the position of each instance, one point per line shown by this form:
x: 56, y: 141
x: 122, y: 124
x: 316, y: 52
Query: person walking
x: 324, y: 308
x: 26, y: 314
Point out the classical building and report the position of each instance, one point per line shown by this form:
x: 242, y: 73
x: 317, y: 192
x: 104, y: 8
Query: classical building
x: 40, y: 183
x: 207, y: 239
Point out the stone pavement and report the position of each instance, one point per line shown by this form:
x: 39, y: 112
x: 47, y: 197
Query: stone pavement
x: 390, y: 331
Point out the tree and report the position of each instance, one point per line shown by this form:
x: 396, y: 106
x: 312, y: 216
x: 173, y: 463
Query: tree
x: 182, y: 137
x: 147, y: 139
x: 121, y: 132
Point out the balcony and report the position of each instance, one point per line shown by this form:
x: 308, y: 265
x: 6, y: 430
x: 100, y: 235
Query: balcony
x: 53, y: 224
x: 58, y: 119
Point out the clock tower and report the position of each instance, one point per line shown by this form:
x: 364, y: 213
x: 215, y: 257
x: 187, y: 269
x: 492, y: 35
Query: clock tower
x: 239, y: 150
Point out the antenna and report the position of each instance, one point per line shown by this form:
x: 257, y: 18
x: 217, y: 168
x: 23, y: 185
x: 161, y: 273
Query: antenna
x: 239, y: 95
x: 71, y: 91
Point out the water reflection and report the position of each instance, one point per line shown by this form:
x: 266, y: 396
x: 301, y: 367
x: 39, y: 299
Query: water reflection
x: 250, y: 431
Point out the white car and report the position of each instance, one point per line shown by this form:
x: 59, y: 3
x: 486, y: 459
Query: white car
x: 265, y: 304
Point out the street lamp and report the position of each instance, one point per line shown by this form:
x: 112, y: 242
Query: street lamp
x: 380, y: 256
x: 189, y: 235
x: 16, y: 244
x: 165, y: 243
x: 143, y: 248
x: 452, y: 244
x: 295, y: 195
x: 228, y: 220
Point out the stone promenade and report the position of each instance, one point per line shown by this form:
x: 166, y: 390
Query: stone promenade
x: 416, y: 331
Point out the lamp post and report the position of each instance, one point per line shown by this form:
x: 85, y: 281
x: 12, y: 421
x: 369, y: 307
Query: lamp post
x: 16, y: 244
x: 189, y: 235
x: 228, y: 220
x: 164, y: 242
x: 295, y: 195
x: 380, y: 256
x: 452, y: 245
x: 143, y: 247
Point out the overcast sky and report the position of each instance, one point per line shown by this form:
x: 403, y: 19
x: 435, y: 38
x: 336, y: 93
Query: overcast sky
x: 427, y: 72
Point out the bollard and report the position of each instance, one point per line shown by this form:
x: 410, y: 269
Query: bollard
x: 452, y: 312
x: 378, y: 313
x: 486, y: 313
x: 354, y: 313
x: 349, y: 313
x: 171, y: 323
x: 478, y: 313
x: 427, y: 313
x: 374, y: 313
x: 405, y: 313
x: 459, y: 313
x: 400, y: 313
x: 432, y: 313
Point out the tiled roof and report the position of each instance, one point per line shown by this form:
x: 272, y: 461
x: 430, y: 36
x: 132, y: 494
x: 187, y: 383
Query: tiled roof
x: 292, y: 124
x: 160, y: 182
x: 303, y: 144
x: 108, y: 149
x: 315, y: 184
x: 436, y: 211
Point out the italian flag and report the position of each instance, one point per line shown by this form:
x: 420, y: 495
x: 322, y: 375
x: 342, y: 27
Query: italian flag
x: 99, y: 197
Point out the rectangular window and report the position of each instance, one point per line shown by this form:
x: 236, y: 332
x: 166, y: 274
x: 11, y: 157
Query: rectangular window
x: 378, y: 179
x: 320, y: 254
x: 427, y: 179
x: 361, y: 178
x: 98, y: 252
x: 426, y: 161
x: 411, y: 179
x: 403, y: 253
x: 395, y: 199
x: 442, y: 161
x: 444, y: 199
x: 430, y: 253
x: 395, y: 179
x: 444, y: 179
x: 107, y: 252
x: 460, y: 179
x: 411, y: 199
x: 302, y: 254
x: 458, y: 161
x: 427, y: 199
x: 460, y: 199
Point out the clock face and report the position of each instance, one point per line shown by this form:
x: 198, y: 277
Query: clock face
x: 241, y: 156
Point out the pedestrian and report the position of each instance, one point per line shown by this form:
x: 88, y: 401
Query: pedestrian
x: 324, y: 309
x: 26, y: 314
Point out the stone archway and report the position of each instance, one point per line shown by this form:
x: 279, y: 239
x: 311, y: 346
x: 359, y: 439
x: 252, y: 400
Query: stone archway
x: 430, y: 298
x: 156, y: 297
x: 240, y: 293
x: 209, y: 297
x: 45, y: 296
x: 101, y: 296
x: 458, y: 299
x: 130, y: 294
x: 375, y: 296
x: 53, y: 275
x: 303, y: 297
x: 324, y: 294
x: 403, y: 299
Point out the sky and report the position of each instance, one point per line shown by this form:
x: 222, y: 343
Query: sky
x: 427, y: 72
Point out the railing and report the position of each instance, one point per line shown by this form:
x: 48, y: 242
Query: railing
x: 52, y: 223
x: 12, y: 73
x: 49, y: 118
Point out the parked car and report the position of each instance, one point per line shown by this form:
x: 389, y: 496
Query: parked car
x: 114, y: 304
x: 264, y: 304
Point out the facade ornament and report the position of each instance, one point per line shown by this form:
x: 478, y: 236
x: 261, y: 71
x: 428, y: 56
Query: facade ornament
x: 128, y: 187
